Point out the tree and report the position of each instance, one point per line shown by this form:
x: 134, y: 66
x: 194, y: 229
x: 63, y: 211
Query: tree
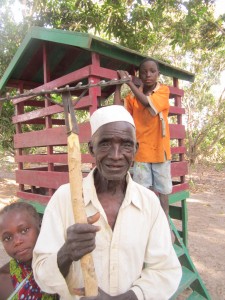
x: 205, y: 112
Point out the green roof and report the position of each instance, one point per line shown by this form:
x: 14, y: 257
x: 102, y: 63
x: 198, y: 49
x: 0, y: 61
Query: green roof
x: 69, y: 51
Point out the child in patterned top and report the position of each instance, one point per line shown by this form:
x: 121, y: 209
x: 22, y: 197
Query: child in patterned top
x: 19, y: 229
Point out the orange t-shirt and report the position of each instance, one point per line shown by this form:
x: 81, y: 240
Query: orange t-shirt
x: 153, y: 146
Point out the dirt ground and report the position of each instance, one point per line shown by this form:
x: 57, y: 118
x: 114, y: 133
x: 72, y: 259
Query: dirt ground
x: 206, y: 223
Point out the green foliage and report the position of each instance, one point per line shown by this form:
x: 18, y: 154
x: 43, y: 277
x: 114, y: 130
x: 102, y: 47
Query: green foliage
x: 6, y: 129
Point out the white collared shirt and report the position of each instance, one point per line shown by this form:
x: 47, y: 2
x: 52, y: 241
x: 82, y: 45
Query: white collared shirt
x: 138, y: 254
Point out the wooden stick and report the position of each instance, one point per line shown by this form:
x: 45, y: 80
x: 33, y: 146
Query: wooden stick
x: 76, y: 179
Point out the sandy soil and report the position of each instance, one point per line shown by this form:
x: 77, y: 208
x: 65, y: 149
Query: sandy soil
x: 206, y: 224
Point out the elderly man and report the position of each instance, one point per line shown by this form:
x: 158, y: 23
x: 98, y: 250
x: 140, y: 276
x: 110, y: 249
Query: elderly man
x: 130, y: 241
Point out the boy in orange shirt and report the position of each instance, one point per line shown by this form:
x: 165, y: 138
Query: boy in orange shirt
x: 149, y: 107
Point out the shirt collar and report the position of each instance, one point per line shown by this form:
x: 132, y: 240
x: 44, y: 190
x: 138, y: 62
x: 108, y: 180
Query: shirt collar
x: 154, y: 90
x: 90, y: 195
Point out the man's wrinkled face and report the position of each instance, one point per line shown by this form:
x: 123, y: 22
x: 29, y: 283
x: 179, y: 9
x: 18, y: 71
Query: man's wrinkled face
x: 114, y: 145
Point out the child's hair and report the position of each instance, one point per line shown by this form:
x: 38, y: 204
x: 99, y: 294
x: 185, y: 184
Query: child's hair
x: 148, y: 59
x: 21, y: 206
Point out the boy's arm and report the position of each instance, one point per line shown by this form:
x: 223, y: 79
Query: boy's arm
x: 117, y: 95
x: 137, y: 93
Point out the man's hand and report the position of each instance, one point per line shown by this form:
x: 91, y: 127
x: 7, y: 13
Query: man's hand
x: 80, y: 241
x: 81, y: 238
x: 130, y: 295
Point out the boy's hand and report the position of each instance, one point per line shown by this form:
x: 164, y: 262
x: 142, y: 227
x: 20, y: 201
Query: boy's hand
x: 123, y: 74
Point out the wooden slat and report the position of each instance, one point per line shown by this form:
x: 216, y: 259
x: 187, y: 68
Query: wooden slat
x: 84, y: 102
x: 45, y: 179
x: 40, y: 138
x: 42, y: 158
x: 103, y: 72
x: 61, y: 158
x: 177, y: 131
x: 26, y: 84
x: 187, y: 278
x: 36, y: 103
x: 42, y: 122
x: 179, y: 250
x: 49, y: 137
x: 179, y: 196
x: 62, y: 81
x: 179, y: 168
x: 178, y: 150
x: 174, y: 110
x: 38, y: 113
x: 33, y: 197
x: 180, y: 187
x: 174, y: 91
x: 87, y: 158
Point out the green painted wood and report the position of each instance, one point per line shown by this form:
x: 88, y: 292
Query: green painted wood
x: 39, y: 207
x: 179, y: 251
x: 187, y: 278
x: 180, y: 213
x: 178, y: 196
x: 195, y: 296
x: 190, y: 277
x: 88, y: 43
x: 175, y: 212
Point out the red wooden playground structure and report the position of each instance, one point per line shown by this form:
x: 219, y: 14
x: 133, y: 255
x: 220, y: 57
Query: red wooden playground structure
x: 49, y: 59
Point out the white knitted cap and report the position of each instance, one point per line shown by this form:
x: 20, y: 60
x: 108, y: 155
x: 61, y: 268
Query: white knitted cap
x: 109, y: 114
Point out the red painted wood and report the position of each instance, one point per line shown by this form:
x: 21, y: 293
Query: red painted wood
x: 33, y: 197
x: 180, y: 187
x: 179, y: 168
x: 84, y: 102
x: 87, y: 158
x: 174, y: 110
x: 42, y: 112
x: 59, y: 82
x: 47, y: 179
x: 177, y: 131
x: 42, y: 122
x: 52, y: 136
x: 36, y: 103
x: 44, y: 158
x: 175, y: 91
x: 26, y: 84
x: 178, y: 150
x: 52, y: 158
x: 103, y: 72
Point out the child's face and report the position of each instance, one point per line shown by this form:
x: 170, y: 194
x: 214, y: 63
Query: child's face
x: 149, y: 73
x: 18, y: 232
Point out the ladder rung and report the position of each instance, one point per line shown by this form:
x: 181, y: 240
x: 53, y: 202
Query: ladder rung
x: 179, y: 250
x: 187, y: 278
x: 195, y: 296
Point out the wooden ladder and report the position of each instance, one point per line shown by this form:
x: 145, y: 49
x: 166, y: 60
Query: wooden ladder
x: 191, y: 286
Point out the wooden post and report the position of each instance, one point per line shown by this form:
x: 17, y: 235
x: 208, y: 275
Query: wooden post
x: 76, y: 180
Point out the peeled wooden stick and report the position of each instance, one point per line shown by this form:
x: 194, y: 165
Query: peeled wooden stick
x: 75, y: 177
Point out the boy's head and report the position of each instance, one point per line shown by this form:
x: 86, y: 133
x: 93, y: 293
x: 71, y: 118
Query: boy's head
x: 149, y: 71
x: 19, y: 229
